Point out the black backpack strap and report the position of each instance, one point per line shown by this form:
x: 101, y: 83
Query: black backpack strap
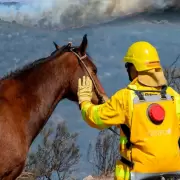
x: 128, y: 163
x: 127, y: 133
x: 141, y: 97
x: 163, y: 91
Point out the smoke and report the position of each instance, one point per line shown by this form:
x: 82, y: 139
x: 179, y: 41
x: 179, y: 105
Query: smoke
x: 75, y: 13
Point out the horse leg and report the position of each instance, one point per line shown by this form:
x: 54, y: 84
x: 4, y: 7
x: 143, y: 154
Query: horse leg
x: 15, y: 172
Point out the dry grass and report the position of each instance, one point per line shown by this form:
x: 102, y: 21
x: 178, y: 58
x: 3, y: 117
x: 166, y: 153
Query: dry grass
x: 109, y: 177
x: 26, y: 176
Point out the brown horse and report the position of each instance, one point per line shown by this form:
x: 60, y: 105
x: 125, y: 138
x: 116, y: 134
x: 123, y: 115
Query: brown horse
x: 29, y: 96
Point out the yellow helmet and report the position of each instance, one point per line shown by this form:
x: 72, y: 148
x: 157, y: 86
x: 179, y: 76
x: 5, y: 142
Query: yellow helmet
x: 143, y: 56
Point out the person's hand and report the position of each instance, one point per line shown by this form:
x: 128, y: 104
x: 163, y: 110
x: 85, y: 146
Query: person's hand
x: 84, y: 89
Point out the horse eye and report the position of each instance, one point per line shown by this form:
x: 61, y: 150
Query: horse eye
x: 95, y: 71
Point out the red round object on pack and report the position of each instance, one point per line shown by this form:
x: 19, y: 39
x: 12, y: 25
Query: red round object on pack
x: 156, y: 112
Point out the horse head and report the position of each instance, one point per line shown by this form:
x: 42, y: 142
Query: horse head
x: 82, y: 64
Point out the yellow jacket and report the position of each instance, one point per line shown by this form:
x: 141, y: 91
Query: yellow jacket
x: 118, y: 110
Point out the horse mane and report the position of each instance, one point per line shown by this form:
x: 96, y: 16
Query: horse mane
x: 35, y: 63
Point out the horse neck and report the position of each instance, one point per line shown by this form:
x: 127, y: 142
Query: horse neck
x: 42, y: 88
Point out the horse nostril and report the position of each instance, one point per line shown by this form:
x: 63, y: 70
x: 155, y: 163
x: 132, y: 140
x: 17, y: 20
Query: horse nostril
x: 105, y: 97
x: 102, y: 99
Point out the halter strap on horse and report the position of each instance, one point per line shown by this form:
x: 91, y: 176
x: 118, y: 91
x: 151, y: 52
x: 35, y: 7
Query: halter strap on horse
x: 80, y: 60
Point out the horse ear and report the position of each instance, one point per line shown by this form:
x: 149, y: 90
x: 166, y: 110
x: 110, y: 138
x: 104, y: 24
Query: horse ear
x: 83, y: 46
x: 56, y: 46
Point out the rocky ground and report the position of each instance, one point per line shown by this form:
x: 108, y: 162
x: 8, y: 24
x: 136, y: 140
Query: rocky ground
x: 110, y: 177
x: 30, y: 176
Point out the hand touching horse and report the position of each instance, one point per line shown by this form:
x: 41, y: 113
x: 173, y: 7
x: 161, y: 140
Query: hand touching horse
x: 28, y: 97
